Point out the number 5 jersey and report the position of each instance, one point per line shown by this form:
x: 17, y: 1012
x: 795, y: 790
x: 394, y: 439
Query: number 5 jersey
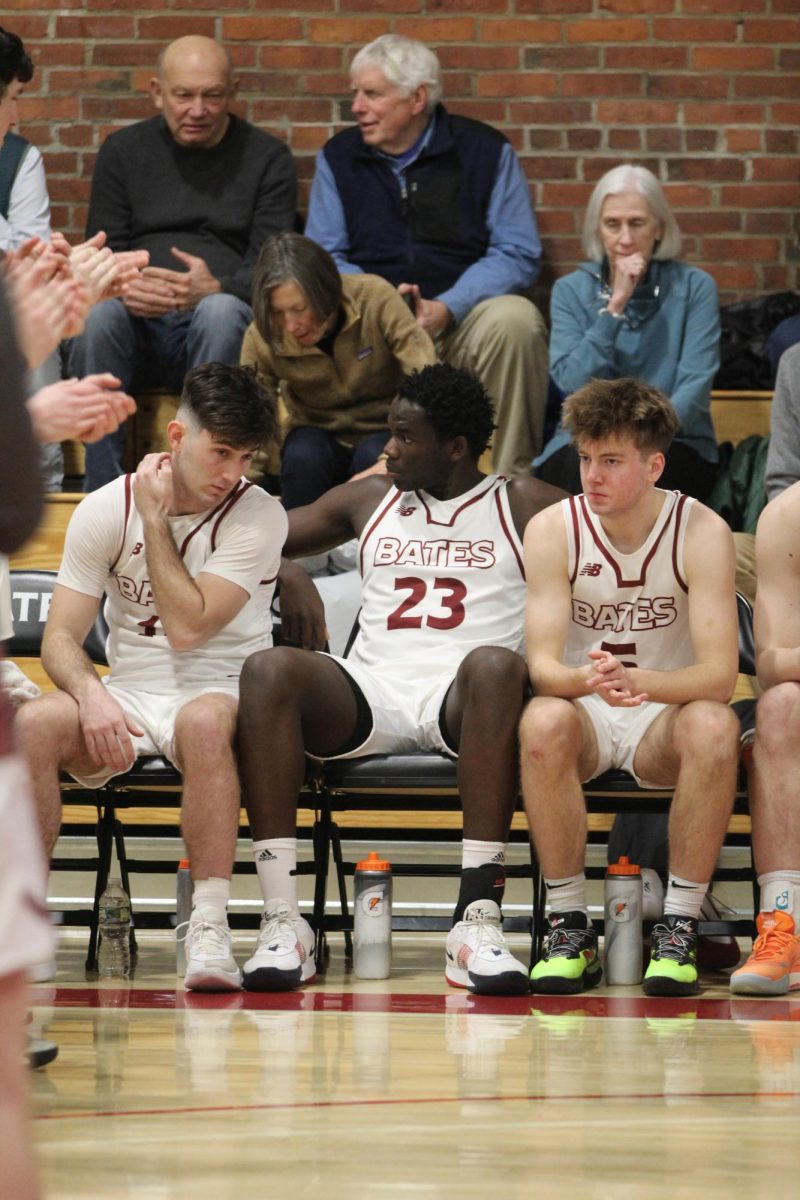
x: 439, y: 578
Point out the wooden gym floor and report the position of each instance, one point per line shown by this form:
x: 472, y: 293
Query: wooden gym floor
x: 407, y: 1088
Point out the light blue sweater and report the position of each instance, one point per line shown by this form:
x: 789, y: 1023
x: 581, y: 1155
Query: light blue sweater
x: 669, y: 337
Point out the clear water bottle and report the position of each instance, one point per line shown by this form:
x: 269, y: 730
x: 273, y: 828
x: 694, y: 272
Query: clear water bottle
x: 372, y: 918
x: 114, y: 954
x: 623, y: 923
x: 184, y: 891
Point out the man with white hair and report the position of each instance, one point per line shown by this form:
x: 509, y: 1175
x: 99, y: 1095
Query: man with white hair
x: 438, y: 205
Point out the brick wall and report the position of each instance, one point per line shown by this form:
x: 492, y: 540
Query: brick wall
x: 704, y: 92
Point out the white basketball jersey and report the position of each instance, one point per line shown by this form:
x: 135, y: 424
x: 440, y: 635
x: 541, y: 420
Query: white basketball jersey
x: 633, y: 605
x: 439, y: 578
x: 240, y: 539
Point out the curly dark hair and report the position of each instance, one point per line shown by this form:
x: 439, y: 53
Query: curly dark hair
x: 14, y: 62
x: 455, y: 402
x: 604, y: 407
x: 231, y: 403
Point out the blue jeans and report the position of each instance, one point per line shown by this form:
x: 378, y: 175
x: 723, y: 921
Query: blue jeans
x: 152, y: 352
x: 313, y: 461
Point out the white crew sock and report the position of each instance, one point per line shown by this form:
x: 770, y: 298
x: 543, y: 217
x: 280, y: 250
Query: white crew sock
x: 684, y: 897
x: 276, y: 859
x: 567, y: 895
x: 212, y: 894
x: 477, y: 854
x: 780, y: 890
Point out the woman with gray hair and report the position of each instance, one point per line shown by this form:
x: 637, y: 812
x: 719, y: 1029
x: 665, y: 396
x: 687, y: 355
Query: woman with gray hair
x: 334, y: 349
x: 634, y: 309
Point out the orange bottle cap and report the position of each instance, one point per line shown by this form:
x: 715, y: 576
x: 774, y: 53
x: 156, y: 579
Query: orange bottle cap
x: 373, y: 863
x: 623, y: 867
x: 183, y: 865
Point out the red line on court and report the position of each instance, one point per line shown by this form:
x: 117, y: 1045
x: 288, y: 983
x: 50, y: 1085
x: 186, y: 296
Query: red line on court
x: 372, y: 1102
x: 405, y: 1003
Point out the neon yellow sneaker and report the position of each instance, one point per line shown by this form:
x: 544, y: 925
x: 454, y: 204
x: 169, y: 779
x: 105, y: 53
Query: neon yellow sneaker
x: 673, y: 958
x: 570, y: 962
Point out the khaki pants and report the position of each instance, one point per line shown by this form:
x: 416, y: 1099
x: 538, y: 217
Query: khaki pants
x: 504, y: 342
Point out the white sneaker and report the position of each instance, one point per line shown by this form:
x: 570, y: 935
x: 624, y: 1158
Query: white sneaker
x: 284, y: 957
x: 652, y: 895
x: 477, y: 956
x: 210, y: 965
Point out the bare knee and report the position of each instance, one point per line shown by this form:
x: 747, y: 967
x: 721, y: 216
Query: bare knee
x: 778, y: 719
x: 550, y: 729
x: 708, y: 730
x: 205, y: 725
x: 493, y: 674
x: 48, y: 728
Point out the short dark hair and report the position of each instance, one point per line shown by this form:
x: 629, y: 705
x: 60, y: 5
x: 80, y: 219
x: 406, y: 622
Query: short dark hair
x: 231, y: 403
x: 455, y: 402
x: 14, y: 62
x: 290, y: 257
x: 603, y: 407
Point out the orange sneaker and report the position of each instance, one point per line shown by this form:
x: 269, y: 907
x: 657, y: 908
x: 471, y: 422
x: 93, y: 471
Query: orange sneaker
x: 773, y: 968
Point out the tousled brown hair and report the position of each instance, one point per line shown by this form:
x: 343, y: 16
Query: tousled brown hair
x: 604, y: 407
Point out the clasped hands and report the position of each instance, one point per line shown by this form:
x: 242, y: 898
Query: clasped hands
x: 610, y: 680
x: 158, y: 290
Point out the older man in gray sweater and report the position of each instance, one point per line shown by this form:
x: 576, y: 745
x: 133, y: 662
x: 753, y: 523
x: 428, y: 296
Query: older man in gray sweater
x: 201, y: 190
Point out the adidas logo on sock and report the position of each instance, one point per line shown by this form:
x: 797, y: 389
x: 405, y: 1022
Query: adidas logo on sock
x: 266, y: 856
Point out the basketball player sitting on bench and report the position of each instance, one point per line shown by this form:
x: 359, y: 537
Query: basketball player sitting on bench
x: 631, y: 634
x: 436, y: 666
x: 187, y: 552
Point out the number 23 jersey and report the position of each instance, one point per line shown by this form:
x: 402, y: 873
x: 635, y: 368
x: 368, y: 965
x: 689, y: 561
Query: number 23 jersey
x: 439, y: 578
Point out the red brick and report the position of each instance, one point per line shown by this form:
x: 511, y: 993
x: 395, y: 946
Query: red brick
x: 76, y: 134
x: 637, y: 112
x: 561, y: 58
x: 557, y: 221
x: 571, y: 195
x: 94, y: 27
x: 750, y: 196
x: 458, y: 83
x: 607, y: 31
x: 520, y: 32
x: 584, y: 139
x: 125, y: 54
x: 575, y: 112
x: 687, y: 195
x: 785, y: 114
x: 724, y: 114
x: 262, y: 28
x: 637, y: 7
x: 776, y: 168
x: 710, y: 222
x: 662, y: 140
x: 771, y: 31
x: 732, y: 58
x: 62, y: 54
x: 740, y: 141
x: 515, y: 85
x: 744, y: 249
x: 546, y: 139
x: 387, y: 6
x: 314, y: 58
x: 710, y: 170
x: 766, y: 86
x: 687, y: 86
x: 108, y: 81
x: 491, y: 111
x: 782, y: 141
x: 694, y: 29
x: 352, y: 33
x: 603, y: 84
x: 701, y: 140
x: 648, y: 58
x: 768, y: 222
x: 440, y: 29
x: 117, y: 108
x: 739, y: 278
x: 624, y: 139
x: 594, y: 167
x: 170, y: 26
x: 293, y: 110
x: 479, y: 58
x: 68, y: 189
x: 724, y: 6
x: 789, y: 60
x: 29, y: 27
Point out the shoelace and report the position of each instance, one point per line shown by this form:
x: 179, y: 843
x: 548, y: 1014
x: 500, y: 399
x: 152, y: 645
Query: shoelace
x: 772, y: 942
x: 674, y: 941
x: 565, y: 943
x: 213, y: 937
x: 489, y: 931
x: 278, y: 928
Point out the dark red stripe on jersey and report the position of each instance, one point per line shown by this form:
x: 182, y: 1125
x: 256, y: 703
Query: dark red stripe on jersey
x: 461, y: 508
x: 679, y: 519
x: 216, y: 514
x: 512, y: 538
x: 241, y: 488
x: 128, y: 506
x: 393, y: 497
x: 608, y: 555
x: 576, y: 533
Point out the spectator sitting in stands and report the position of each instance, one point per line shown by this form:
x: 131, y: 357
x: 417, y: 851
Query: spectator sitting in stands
x: 337, y: 347
x: 200, y: 189
x: 438, y: 205
x: 634, y: 310
x: 783, y: 337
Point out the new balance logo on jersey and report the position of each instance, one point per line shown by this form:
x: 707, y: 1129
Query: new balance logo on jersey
x: 137, y: 549
x: 405, y: 510
x: 592, y: 569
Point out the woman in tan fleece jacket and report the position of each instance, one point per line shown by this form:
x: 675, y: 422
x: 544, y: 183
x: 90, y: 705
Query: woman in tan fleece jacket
x: 334, y: 348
